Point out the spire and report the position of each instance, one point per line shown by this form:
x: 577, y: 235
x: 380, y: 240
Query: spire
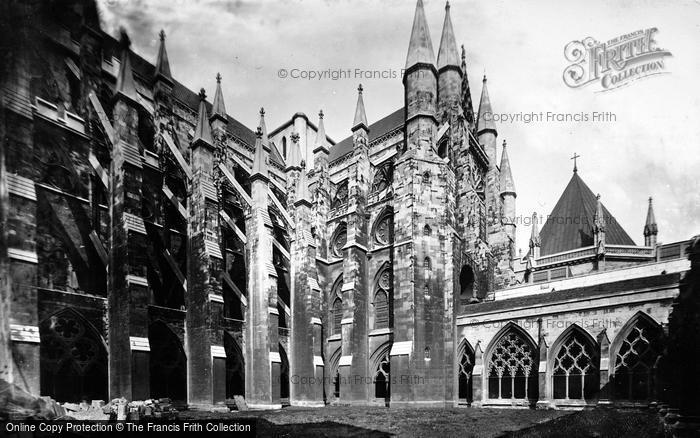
x: 259, y: 160
x: 294, y: 156
x: 650, y: 227
x: 447, y: 54
x: 162, y: 63
x: 218, y: 109
x: 535, y: 233
x: 360, y: 116
x: 303, y: 195
x: 263, y: 129
x: 125, y: 78
x: 507, y: 184
x: 203, y: 131
x: 420, y: 47
x: 321, y: 133
x: 485, y: 121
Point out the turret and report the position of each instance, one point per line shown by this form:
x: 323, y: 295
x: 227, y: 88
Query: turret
x: 535, y: 242
x: 508, y: 195
x: 420, y: 85
x: 126, y: 87
x: 360, y: 120
x: 259, y: 170
x: 486, y: 127
x: 162, y: 73
x: 202, y: 132
x: 218, y: 118
x: 650, y: 228
x: 449, y: 69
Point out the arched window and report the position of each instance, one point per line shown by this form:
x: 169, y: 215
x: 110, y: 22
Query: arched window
x: 381, y: 310
x: 73, y: 359
x: 641, y: 345
x: 426, y: 290
x: 382, y: 178
x: 341, y: 195
x: 384, y: 229
x: 382, y: 293
x: 426, y: 353
x: 512, y: 372
x: 284, y: 147
x: 427, y: 267
x: 426, y: 178
x: 340, y: 238
x: 337, y: 317
x: 427, y: 231
x: 382, y: 382
x: 464, y: 374
x: 575, y: 371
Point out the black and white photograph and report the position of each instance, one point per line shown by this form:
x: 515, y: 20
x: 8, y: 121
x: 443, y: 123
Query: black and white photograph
x: 350, y: 218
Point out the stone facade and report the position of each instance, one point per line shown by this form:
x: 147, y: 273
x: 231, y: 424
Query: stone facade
x: 153, y: 246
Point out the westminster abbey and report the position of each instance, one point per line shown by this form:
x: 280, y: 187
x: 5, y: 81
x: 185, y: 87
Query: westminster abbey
x: 153, y: 246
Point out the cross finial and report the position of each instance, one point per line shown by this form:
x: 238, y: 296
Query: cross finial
x: 574, y: 158
x: 359, y: 89
x: 447, y: 5
x: 218, y: 78
x: 262, y: 111
x: 320, y: 114
x: 162, y: 35
x: 202, y: 94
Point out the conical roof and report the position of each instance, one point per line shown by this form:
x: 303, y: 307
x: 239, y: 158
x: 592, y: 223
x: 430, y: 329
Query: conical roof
x: 360, y: 119
x: 202, y: 131
x: 125, y: 78
x: 506, y: 177
x: 650, y: 227
x: 420, y: 47
x: 485, y: 120
x: 570, y: 224
x: 162, y: 62
x: 218, y: 109
x: 447, y: 54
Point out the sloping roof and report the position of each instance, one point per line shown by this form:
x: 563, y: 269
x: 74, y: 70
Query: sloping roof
x: 575, y: 293
x: 145, y: 70
x: 376, y: 130
x: 570, y: 224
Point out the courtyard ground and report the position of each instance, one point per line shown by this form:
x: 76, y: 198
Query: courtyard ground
x: 335, y: 421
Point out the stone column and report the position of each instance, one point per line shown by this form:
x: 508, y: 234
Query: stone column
x: 262, y: 355
x: 127, y: 285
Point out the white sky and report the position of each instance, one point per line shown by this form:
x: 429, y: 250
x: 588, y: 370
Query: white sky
x: 650, y: 150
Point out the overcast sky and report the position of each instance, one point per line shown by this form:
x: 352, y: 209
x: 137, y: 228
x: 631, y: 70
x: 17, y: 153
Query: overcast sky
x: 651, y: 149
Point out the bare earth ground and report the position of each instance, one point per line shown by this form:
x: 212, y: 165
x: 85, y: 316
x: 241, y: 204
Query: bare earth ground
x: 383, y: 422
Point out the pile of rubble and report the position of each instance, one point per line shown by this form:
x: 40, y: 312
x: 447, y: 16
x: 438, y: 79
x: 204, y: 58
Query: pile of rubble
x: 121, y: 409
